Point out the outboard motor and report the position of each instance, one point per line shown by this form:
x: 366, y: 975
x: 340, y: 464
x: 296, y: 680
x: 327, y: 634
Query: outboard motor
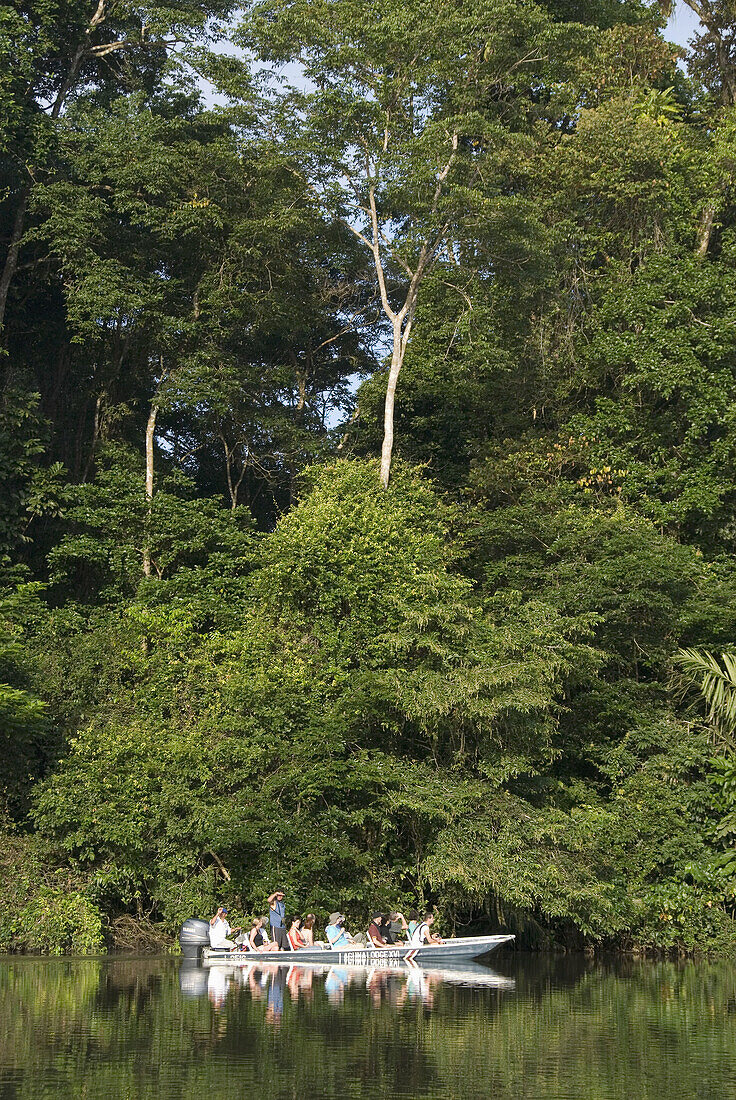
x: 194, y: 935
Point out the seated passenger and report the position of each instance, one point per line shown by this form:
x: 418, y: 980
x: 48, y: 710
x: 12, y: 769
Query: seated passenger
x: 413, y: 923
x: 375, y: 930
x: 337, y: 937
x: 257, y: 938
x: 220, y: 930
x: 296, y: 940
x: 423, y: 935
x: 389, y: 931
x: 307, y: 931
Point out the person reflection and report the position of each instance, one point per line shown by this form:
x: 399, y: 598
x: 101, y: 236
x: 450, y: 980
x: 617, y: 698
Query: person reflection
x: 418, y: 988
x: 218, y: 981
x: 306, y: 985
x: 377, y: 986
x: 292, y: 982
x: 275, y: 1008
x: 299, y: 982
x: 336, y: 983
x: 256, y: 982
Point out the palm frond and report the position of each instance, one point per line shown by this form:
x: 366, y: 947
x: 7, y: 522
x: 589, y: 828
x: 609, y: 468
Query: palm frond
x: 716, y: 679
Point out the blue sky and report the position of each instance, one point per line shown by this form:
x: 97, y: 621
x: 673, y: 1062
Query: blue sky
x: 682, y: 24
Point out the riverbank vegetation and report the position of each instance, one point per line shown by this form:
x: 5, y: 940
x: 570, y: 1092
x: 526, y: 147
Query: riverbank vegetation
x: 368, y: 453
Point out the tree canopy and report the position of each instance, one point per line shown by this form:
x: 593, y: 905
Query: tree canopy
x: 368, y: 450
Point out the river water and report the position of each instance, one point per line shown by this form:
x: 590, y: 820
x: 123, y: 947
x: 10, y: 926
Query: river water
x: 533, y: 1026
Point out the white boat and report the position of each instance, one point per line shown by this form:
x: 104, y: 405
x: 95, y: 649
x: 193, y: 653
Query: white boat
x: 447, y: 954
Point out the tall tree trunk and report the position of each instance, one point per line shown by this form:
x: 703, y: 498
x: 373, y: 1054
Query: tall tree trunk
x: 397, y: 359
x: 401, y: 320
x: 95, y: 436
x: 11, y: 258
x: 150, y: 430
x: 717, y: 22
x: 233, y: 484
x: 705, y: 230
x: 401, y: 323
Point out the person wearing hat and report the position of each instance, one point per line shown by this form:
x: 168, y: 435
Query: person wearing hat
x: 337, y: 936
x: 277, y: 919
x: 220, y: 930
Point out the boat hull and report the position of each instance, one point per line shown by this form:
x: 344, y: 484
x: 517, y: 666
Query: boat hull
x: 430, y: 955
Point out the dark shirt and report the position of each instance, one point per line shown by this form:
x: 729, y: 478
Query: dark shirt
x: 375, y: 932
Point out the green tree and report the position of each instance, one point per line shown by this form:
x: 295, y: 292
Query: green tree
x: 52, y: 52
x: 410, y: 129
x: 26, y: 739
x: 361, y: 673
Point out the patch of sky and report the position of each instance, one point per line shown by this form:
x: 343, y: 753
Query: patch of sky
x: 682, y: 24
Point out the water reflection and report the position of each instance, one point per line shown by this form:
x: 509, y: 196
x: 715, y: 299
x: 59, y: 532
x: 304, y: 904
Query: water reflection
x: 272, y: 983
x: 533, y: 1027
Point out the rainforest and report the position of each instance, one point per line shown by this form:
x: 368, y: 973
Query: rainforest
x: 368, y: 467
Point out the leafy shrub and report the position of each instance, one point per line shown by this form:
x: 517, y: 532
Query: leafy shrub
x: 44, y: 908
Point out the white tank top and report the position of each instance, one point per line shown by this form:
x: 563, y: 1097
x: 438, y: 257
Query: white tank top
x: 417, y: 937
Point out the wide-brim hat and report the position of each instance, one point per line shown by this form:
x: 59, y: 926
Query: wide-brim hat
x: 335, y: 917
x: 377, y: 916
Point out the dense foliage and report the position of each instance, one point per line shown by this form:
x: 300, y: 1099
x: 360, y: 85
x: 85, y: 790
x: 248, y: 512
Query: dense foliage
x: 228, y: 655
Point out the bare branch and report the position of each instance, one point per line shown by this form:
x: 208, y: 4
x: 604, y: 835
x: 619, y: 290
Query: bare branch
x: 357, y: 233
x: 342, y: 332
x: 220, y: 866
x: 395, y: 256
x: 444, y: 173
x: 376, y: 249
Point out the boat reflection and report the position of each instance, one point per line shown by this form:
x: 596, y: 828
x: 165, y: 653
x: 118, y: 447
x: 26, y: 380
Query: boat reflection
x: 275, y: 984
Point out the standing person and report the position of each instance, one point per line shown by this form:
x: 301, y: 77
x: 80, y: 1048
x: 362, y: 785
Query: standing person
x: 220, y: 930
x: 277, y: 919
